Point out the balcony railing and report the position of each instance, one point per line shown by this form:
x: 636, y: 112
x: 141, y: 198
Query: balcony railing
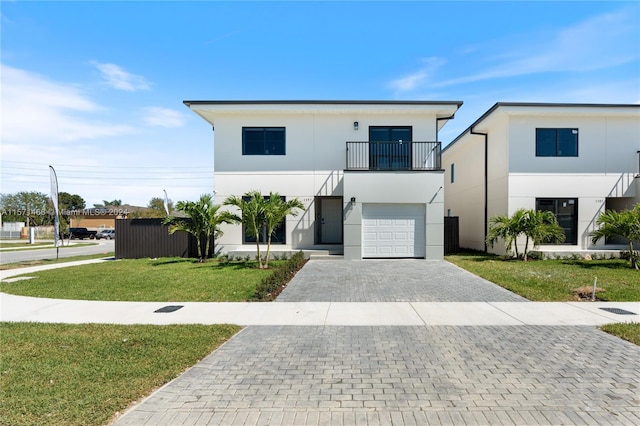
x: 391, y: 156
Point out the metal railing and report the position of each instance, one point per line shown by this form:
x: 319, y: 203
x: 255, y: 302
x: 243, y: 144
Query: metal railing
x: 392, y: 156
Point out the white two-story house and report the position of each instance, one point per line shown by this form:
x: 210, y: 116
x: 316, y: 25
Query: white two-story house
x: 368, y: 172
x: 575, y: 160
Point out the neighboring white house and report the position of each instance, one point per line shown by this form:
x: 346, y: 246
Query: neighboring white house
x: 575, y: 160
x: 368, y: 172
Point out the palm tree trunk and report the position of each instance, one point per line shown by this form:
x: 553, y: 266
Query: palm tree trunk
x: 203, y: 246
x: 526, y: 247
x: 632, y: 257
x: 258, y: 251
x: 266, y: 261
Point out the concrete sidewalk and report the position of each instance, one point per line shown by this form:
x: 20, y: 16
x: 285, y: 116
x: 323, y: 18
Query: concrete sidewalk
x: 32, y: 309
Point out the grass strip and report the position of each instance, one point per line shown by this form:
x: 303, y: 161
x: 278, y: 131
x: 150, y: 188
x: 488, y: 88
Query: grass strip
x: 53, y: 374
x: 28, y: 263
x: 630, y: 331
x: 150, y: 280
x: 554, y: 280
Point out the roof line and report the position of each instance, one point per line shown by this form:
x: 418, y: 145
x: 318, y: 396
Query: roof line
x: 321, y: 102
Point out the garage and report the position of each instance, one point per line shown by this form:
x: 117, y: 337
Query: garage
x: 393, y: 231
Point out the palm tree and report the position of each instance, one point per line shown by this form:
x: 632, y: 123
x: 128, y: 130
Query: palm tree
x: 203, y: 221
x: 536, y: 225
x: 540, y: 226
x: 275, y: 211
x: 625, y: 224
x: 251, y: 207
x: 505, y: 228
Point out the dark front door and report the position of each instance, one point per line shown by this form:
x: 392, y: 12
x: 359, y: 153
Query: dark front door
x: 329, y: 220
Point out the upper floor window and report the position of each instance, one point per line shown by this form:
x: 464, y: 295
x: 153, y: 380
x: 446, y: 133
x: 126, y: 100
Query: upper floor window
x: 556, y: 142
x: 390, y: 147
x: 453, y: 172
x: 263, y: 141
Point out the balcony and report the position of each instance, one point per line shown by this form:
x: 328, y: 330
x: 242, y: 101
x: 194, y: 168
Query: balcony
x: 393, y: 156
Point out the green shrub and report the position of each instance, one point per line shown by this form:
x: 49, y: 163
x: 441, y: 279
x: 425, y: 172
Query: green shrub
x: 273, y: 284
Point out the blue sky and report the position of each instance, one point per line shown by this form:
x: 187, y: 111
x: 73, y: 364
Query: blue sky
x: 96, y: 88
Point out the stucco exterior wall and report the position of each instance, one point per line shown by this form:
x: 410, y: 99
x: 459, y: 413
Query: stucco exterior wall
x: 315, y: 160
x: 425, y: 188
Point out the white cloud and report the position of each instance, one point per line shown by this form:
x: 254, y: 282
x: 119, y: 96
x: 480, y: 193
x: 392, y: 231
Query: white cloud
x: 38, y: 111
x: 163, y: 117
x: 601, y: 42
x: 420, y: 78
x: 116, y: 77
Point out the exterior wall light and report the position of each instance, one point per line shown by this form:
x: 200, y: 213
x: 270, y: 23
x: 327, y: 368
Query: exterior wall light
x: 353, y: 200
x: 355, y: 125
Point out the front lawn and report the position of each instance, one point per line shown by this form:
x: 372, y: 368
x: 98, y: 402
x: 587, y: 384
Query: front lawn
x: 160, y: 280
x: 630, y: 332
x: 57, y: 374
x: 29, y: 263
x: 554, y: 280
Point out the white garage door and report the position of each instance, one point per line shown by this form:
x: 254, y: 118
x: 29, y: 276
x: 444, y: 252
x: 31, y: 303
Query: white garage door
x: 393, y: 230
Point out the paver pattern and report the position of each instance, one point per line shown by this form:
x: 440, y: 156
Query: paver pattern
x: 403, y: 375
x: 402, y: 280
x: 407, y: 375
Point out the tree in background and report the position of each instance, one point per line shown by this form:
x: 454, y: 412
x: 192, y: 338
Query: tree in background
x: 106, y: 203
x: 625, y: 224
x: 67, y: 201
x: 31, y: 207
x: 156, y: 207
x: 537, y: 226
x: 202, y: 221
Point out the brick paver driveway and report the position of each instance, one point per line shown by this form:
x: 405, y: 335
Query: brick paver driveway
x: 523, y: 375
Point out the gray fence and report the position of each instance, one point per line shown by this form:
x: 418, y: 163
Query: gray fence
x: 142, y: 238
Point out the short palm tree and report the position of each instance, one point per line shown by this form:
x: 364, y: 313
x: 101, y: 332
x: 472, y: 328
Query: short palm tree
x: 505, y: 228
x: 203, y: 221
x: 540, y: 226
x: 536, y: 225
x: 625, y: 224
x: 262, y: 214
x: 251, y: 207
x: 275, y: 211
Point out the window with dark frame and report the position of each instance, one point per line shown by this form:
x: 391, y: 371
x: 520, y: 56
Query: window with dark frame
x: 390, y: 147
x: 453, y: 172
x: 278, y: 237
x: 556, y: 142
x: 263, y: 141
x: 566, y: 212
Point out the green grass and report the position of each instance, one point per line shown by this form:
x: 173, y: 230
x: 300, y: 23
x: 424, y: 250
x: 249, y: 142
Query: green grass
x: 630, y: 332
x: 161, y: 280
x: 9, y: 246
x: 554, y: 280
x: 55, y: 374
x: 28, y: 263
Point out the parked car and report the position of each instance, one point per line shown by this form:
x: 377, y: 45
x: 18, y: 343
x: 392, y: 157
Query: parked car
x: 82, y: 233
x: 108, y: 234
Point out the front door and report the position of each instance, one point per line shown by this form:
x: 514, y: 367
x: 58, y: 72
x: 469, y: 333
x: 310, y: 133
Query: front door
x: 329, y: 220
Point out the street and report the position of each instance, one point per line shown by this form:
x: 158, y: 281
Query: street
x: 101, y: 247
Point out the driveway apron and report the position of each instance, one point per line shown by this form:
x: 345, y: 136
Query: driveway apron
x: 413, y: 375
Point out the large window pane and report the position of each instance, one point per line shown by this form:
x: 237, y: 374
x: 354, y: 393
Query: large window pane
x: 556, y: 142
x: 567, y: 143
x: 263, y: 141
x: 545, y: 142
x: 388, y: 153
x: 566, y: 212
